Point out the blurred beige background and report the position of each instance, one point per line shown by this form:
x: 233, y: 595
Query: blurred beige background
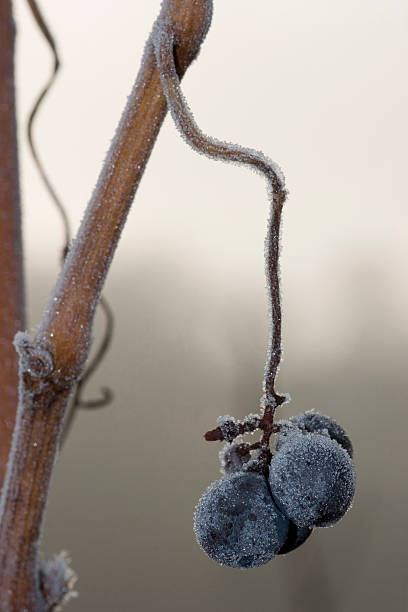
x: 321, y: 88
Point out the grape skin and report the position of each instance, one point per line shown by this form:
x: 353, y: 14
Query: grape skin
x: 237, y: 523
x: 312, y: 479
x: 314, y: 422
x: 231, y: 459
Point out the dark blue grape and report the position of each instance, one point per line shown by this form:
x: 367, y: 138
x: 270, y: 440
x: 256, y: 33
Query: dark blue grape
x: 237, y: 523
x: 312, y: 479
x: 313, y: 422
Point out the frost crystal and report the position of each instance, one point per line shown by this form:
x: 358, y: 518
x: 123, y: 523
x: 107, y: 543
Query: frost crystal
x: 229, y: 427
x: 252, y: 421
x: 312, y: 480
x: 57, y: 580
x: 237, y: 523
x: 233, y: 457
x: 314, y: 422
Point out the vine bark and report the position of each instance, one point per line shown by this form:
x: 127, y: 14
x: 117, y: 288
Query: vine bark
x: 11, y: 269
x: 51, y: 363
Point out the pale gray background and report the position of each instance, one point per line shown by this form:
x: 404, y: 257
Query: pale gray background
x: 321, y: 87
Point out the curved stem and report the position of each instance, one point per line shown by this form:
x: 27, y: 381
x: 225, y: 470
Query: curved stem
x: 166, y: 48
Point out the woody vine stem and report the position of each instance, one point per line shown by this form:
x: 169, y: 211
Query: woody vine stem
x: 51, y: 363
x: 106, y: 395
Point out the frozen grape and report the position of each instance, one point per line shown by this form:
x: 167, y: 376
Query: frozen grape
x: 237, y: 523
x: 312, y: 479
x: 313, y: 422
x: 233, y: 457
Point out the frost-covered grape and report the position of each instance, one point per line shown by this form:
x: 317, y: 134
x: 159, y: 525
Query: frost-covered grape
x: 313, y: 422
x: 295, y: 538
x: 233, y: 457
x: 312, y: 479
x: 237, y: 523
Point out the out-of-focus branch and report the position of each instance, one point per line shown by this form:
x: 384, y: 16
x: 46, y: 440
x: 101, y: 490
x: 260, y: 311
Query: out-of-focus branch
x: 51, y: 363
x: 11, y: 270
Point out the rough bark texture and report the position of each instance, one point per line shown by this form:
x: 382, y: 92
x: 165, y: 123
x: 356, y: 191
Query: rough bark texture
x: 51, y: 363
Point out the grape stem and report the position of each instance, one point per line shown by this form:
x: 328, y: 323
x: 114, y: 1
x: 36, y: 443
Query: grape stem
x: 166, y: 48
x: 265, y: 424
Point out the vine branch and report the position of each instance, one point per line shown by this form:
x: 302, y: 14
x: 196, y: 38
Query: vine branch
x: 51, y: 363
x: 106, y: 394
x: 11, y: 269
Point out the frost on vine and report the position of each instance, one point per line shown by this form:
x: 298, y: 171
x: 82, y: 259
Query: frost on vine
x: 233, y: 457
x: 57, y: 581
x: 271, y: 496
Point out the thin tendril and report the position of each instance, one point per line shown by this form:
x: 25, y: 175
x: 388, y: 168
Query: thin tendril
x: 98, y: 357
x: 51, y: 42
x: 166, y: 49
x: 107, y: 394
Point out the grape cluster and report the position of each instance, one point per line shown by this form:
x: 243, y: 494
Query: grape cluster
x: 258, y: 510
